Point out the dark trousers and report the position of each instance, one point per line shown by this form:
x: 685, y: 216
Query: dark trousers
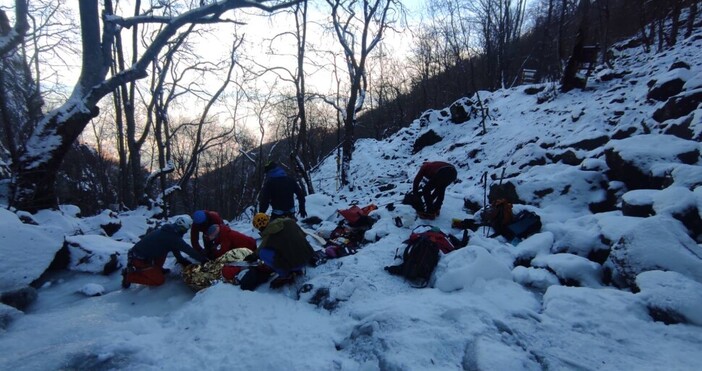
x: 434, y: 190
x: 286, y: 214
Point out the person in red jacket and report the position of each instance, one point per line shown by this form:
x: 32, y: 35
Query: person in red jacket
x: 224, y: 239
x: 435, y: 176
x: 202, y: 220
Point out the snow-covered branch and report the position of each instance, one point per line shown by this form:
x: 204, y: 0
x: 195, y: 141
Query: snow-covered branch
x: 14, y: 37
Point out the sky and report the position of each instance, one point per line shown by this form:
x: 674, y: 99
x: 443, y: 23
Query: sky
x: 492, y: 305
x: 258, y: 30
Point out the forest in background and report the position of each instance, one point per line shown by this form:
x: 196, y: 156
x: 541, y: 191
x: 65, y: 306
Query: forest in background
x: 142, y: 148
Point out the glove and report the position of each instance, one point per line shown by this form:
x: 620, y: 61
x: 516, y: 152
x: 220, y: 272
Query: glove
x: 251, y: 258
x: 303, y: 212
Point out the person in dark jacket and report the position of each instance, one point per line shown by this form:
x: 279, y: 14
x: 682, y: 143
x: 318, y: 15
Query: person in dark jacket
x: 434, y: 177
x: 283, y: 249
x: 202, y: 221
x: 278, y: 191
x: 146, y: 258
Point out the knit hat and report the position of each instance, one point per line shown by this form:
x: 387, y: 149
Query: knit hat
x: 199, y: 217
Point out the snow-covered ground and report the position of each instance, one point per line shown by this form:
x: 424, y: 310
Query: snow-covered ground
x: 634, y: 282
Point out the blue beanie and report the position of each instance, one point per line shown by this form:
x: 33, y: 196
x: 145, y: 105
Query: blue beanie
x: 199, y: 217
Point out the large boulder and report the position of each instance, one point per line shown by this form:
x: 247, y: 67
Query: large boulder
x: 427, y: 139
x: 571, y: 270
x: 20, y: 298
x: 26, y: 250
x: 635, y: 160
x: 638, y: 202
x: 679, y: 105
x: 463, y: 110
x: 657, y: 243
x: 669, y: 83
x: 96, y: 254
x: 677, y: 202
x: 559, y: 184
x: 671, y: 297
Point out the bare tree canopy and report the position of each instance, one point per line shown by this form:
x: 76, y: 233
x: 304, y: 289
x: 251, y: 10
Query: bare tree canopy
x: 51, y: 136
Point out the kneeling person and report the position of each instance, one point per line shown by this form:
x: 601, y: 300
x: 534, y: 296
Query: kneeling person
x: 223, y: 239
x: 146, y: 258
x: 283, y: 249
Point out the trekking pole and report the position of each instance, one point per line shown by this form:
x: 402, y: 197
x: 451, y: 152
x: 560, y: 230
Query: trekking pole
x: 484, y: 180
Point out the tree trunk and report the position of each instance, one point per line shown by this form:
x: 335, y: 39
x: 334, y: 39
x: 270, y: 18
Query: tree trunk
x: 35, y: 180
x: 675, y: 18
x: 39, y: 160
x: 691, y: 18
x: 570, y: 80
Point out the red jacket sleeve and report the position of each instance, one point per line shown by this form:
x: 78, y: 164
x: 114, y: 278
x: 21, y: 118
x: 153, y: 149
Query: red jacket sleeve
x: 230, y: 239
x: 418, y: 177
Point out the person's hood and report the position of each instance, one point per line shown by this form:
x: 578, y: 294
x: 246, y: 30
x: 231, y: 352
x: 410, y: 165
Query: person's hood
x: 273, y: 227
x: 172, y: 228
x: 276, y: 172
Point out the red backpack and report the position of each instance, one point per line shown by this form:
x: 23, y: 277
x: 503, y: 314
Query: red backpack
x: 358, y: 216
x: 437, y: 237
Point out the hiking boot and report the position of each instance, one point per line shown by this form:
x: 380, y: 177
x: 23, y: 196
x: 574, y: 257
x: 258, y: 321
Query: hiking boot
x: 125, y: 283
x: 427, y: 216
x: 282, y: 281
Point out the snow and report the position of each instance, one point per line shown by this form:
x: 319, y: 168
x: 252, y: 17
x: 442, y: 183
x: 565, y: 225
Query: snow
x: 672, y: 291
x: 658, y: 243
x: 645, y: 150
x: 26, y: 251
x: 532, y: 304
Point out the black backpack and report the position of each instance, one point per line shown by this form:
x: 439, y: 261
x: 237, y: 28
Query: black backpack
x: 524, y: 224
x: 418, y: 261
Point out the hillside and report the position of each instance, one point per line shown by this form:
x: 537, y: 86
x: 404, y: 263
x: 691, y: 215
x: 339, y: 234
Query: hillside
x: 612, y: 281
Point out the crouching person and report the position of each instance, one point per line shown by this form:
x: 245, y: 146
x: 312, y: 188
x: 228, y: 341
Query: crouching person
x: 146, y: 258
x: 223, y: 239
x: 284, y: 250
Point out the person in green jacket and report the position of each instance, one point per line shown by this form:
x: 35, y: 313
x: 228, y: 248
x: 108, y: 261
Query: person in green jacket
x: 283, y: 248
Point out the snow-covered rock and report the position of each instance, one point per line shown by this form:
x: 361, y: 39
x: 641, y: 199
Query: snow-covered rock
x: 572, y: 270
x: 96, y: 254
x: 671, y: 295
x: 631, y: 160
x: 26, y: 250
x: 464, y: 267
x: 657, y: 243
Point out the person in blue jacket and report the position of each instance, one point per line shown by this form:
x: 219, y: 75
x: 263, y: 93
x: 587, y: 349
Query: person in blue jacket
x: 146, y: 258
x: 278, y: 191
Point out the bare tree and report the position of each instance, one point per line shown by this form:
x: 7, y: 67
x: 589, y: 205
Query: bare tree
x: 40, y: 156
x: 299, y: 154
x: 359, y: 27
x: 501, y: 27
